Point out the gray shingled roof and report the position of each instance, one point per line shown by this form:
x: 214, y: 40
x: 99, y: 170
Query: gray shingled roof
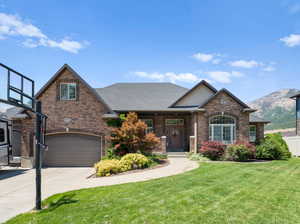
x: 254, y: 118
x: 296, y: 95
x: 142, y: 96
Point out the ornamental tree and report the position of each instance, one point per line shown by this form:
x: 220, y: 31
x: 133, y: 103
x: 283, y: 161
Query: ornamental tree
x: 131, y: 137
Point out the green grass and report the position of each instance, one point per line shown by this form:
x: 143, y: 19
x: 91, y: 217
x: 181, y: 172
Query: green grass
x: 250, y: 193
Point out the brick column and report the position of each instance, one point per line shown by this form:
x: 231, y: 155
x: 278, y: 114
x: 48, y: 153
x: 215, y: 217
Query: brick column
x: 259, y: 132
x: 192, y: 144
x: 298, y: 126
x: 163, y: 142
x: 202, y: 133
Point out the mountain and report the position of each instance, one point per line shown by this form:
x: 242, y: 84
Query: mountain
x: 278, y: 108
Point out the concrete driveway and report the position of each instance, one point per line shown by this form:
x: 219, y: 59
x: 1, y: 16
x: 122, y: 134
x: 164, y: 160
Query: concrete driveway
x: 17, y: 187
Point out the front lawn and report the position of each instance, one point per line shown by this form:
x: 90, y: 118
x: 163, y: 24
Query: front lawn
x: 252, y: 193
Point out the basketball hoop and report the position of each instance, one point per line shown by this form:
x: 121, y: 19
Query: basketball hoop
x: 19, y: 92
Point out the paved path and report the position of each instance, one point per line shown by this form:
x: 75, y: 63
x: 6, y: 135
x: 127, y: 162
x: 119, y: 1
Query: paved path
x: 17, y: 188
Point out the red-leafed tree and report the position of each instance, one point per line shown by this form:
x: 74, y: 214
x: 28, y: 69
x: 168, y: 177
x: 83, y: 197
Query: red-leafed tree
x: 131, y: 137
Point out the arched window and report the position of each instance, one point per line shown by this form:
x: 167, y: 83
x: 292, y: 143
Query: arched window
x: 222, y: 129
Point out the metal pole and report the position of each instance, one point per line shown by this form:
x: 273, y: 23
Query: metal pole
x: 38, y: 205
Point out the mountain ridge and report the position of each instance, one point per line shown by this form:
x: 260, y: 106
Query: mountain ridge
x: 276, y: 107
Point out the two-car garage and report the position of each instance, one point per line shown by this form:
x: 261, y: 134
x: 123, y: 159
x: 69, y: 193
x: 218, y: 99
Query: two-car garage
x: 72, y: 149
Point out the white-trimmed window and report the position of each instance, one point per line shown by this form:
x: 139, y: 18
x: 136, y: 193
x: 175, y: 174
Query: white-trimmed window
x: 149, y: 123
x: 252, y: 133
x: 222, y: 128
x: 68, y: 91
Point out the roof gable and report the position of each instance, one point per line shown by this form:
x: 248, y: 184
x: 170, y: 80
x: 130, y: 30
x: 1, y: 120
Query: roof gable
x: 77, y: 76
x: 229, y: 94
x: 196, y: 96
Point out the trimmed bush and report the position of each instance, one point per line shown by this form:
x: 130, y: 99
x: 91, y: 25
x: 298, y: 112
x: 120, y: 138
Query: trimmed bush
x: 212, y: 150
x: 130, y: 161
x: 107, y: 167
x: 240, y: 152
x: 273, y: 147
x: 197, y: 157
x: 134, y: 161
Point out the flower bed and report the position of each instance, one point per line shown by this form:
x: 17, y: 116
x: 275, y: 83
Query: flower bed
x: 130, y: 161
x: 273, y: 147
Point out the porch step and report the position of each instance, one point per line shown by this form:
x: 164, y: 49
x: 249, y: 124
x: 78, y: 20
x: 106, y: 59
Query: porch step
x: 176, y: 154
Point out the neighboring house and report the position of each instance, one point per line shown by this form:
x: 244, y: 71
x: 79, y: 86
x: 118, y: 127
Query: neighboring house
x: 297, y: 98
x: 76, y: 128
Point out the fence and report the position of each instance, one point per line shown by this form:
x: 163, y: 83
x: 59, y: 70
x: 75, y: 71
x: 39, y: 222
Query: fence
x: 294, y: 144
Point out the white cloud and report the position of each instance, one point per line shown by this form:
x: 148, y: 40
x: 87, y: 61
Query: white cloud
x: 203, y: 57
x: 269, y: 68
x: 169, y: 77
x: 213, y: 58
x: 182, y: 77
x: 216, y: 61
x: 215, y: 76
x: 153, y: 76
x: 236, y: 74
x: 11, y: 25
x: 223, y: 77
x: 244, y: 64
x: 291, y: 40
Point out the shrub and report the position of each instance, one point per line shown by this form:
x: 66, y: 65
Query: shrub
x: 212, y: 150
x: 240, y: 152
x: 134, y: 161
x: 197, y: 157
x: 107, y: 167
x: 131, y: 137
x: 110, y: 154
x: 273, y: 147
x: 116, y: 123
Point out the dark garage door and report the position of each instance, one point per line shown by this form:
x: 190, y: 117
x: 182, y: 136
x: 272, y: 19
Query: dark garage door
x: 72, y: 150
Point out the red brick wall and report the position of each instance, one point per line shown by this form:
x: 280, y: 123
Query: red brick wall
x: 226, y: 104
x: 85, y: 113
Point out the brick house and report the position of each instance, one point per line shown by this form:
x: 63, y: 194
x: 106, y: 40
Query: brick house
x: 78, y: 113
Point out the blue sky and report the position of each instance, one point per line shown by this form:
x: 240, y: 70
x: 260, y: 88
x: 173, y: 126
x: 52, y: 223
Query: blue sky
x: 249, y: 47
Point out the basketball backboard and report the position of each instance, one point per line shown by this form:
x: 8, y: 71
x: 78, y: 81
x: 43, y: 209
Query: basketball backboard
x: 15, y: 88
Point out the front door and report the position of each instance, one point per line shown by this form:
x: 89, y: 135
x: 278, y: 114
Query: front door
x: 175, y: 135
